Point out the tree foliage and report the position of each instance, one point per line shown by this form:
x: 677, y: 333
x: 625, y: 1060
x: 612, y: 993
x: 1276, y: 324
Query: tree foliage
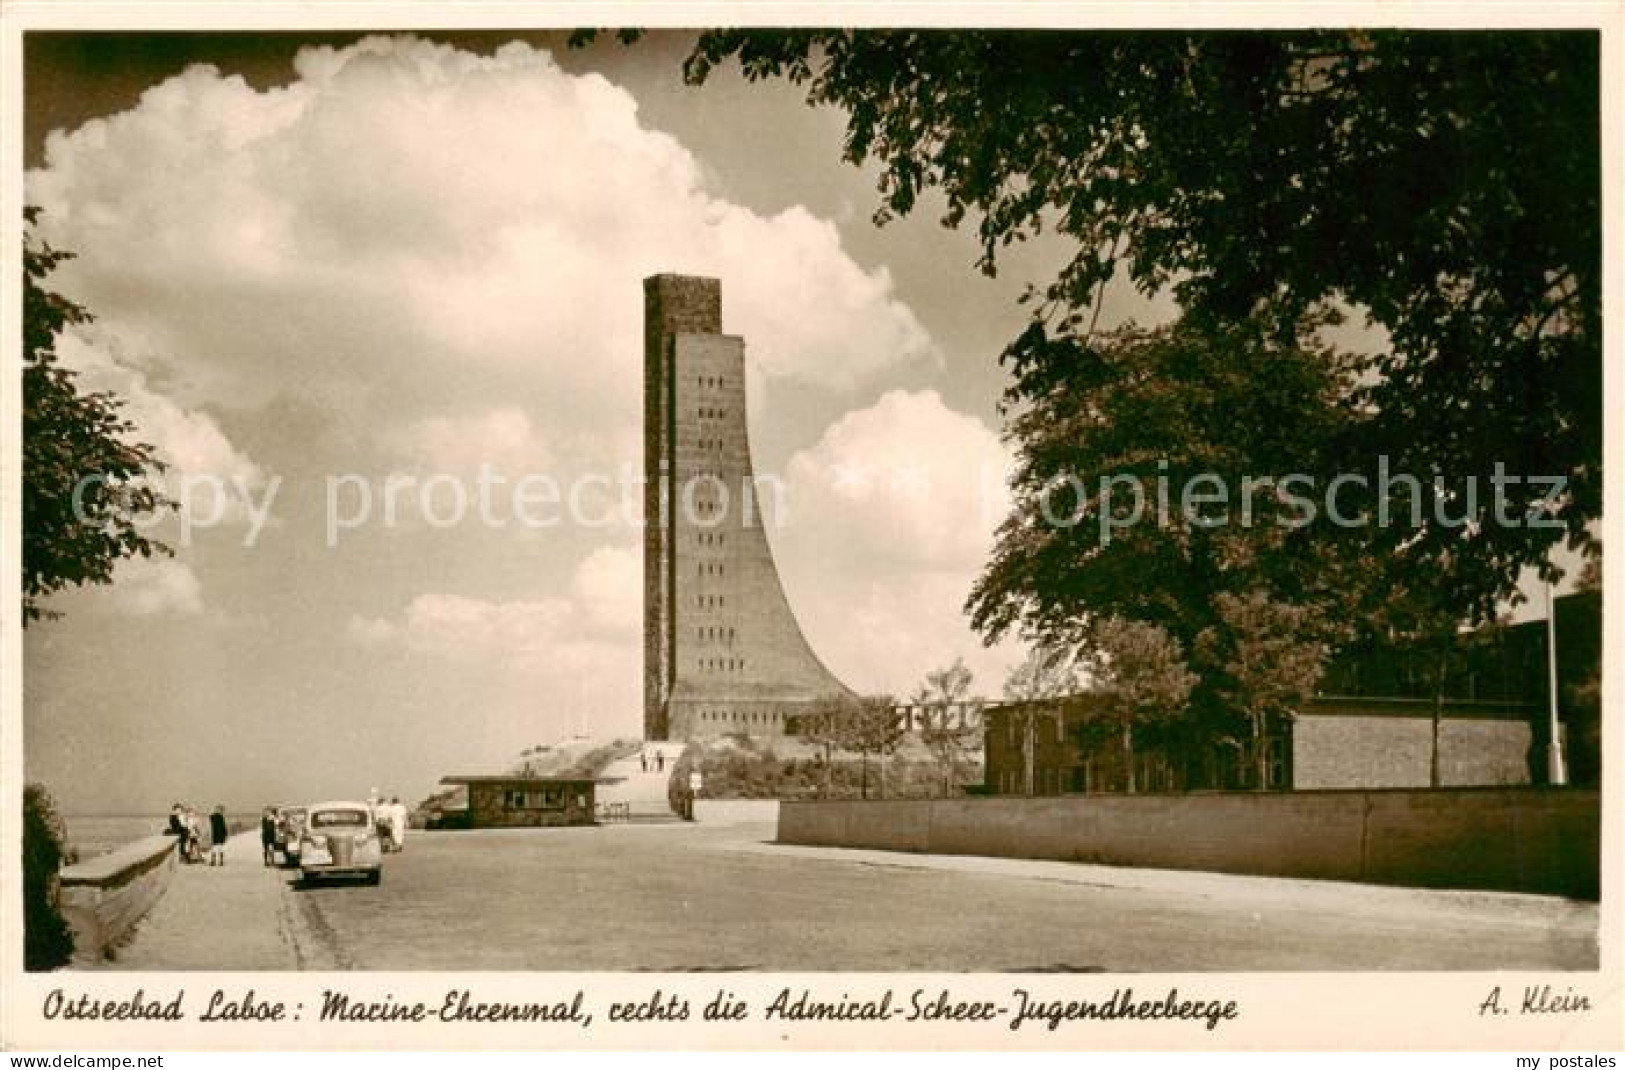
x: 822, y: 725
x: 47, y: 939
x: 1447, y: 184
x: 1101, y: 523
x: 947, y: 740
x: 1261, y: 664
x: 86, y: 486
x: 869, y: 727
x: 1139, y: 670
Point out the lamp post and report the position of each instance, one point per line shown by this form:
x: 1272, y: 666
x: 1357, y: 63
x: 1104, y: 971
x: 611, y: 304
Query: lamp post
x: 1556, y: 774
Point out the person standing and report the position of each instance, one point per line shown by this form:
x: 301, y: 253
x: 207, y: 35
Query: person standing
x: 194, y: 836
x: 217, y: 836
x: 268, y: 836
x: 397, y: 822
x: 177, y: 829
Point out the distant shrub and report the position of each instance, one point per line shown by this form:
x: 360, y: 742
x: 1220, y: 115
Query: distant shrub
x: 738, y: 767
x: 47, y: 940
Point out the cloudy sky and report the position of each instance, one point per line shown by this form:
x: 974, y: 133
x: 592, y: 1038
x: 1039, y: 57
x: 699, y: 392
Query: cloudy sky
x: 349, y: 278
x: 318, y: 264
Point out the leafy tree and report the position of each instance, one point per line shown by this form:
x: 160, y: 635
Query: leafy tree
x: 869, y: 726
x: 1590, y: 578
x: 1115, y: 457
x: 1140, y: 672
x: 823, y: 724
x: 1445, y: 184
x: 1263, y: 667
x: 85, y: 485
x: 948, y: 743
x: 1420, y: 618
x: 1035, y: 689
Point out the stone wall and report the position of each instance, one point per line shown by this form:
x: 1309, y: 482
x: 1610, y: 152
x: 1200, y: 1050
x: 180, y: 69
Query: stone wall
x: 736, y: 811
x: 102, y: 899
x: 1511, y: 839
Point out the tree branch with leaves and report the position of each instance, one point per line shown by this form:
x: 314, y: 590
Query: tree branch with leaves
x: 87, y: 488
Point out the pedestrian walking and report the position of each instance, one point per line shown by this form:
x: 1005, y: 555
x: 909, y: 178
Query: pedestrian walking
x: 643, y: 759
x: 217, y: 836
x: 660, y: 761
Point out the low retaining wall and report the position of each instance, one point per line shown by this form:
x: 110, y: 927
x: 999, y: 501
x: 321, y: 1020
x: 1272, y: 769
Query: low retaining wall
x: 103, y: 898
x: 736, y: 811
x: 1510, y: 839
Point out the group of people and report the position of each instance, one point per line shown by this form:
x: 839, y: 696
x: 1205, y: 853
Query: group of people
x: 272, y: 834
x: 185, y: 824
x: 659, y: 762
x: 389, y: 817
x: 195, y: 837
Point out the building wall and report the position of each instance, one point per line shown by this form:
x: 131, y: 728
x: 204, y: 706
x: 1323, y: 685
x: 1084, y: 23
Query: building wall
x: 723, y: 650
x: 1055, y: 758
x: 1333, y: 743
x: 1367, y: 751
x: 671, y: 304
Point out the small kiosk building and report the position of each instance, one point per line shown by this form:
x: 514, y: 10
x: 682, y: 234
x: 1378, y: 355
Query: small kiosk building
x: 526, y: 802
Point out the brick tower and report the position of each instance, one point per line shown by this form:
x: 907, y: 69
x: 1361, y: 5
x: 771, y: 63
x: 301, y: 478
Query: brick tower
x: 722, y: 649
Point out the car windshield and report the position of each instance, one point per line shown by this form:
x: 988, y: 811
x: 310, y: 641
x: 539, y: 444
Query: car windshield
x: 327, y: 819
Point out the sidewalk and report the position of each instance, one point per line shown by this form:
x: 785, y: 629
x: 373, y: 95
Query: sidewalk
x: 237, y: 916
x: 1241, y: 891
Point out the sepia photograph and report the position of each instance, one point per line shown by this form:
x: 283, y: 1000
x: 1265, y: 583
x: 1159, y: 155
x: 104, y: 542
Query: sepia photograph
x: 1027, y: 528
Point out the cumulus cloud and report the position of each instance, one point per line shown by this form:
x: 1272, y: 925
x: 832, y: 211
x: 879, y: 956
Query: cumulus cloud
x: 531, y: 660
x: 149, y: 586
x: 908, y: 479
x: 910, y: 490
x: 501, y: 438
x: 591, y: 630
x: 458, y: 626
x: 608, y: 590
x: 187, y: 440
x: 408, y: 233
x: 414, y: 257
x: 885, y: 523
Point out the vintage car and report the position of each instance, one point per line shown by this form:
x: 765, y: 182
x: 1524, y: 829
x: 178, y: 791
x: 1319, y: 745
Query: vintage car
x: 339, y: 841
x: 290, y: 826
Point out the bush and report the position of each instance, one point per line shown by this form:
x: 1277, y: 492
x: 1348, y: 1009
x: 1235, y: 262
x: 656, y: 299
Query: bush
x: 742, y: 768
x: 47, y: 940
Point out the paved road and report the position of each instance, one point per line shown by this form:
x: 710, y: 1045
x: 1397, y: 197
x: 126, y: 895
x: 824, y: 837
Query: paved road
x: 723, y: 898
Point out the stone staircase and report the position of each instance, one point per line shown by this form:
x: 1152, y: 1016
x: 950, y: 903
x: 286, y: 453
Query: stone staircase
x: 637, y: 794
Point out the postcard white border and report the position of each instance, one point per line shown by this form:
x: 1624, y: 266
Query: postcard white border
x: 1312, y: 1011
